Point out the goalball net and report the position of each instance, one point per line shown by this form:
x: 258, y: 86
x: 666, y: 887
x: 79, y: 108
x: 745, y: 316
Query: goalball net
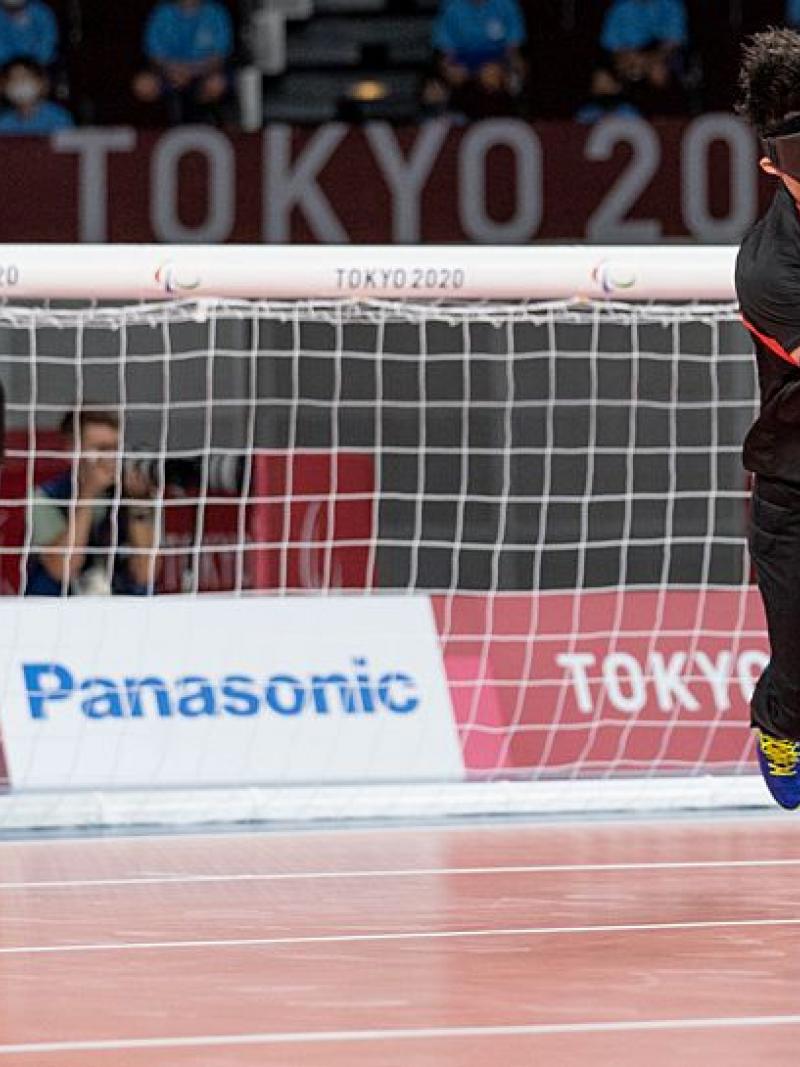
x: 470, y: 536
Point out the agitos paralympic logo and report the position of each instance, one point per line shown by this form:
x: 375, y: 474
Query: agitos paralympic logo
x: 172, y: 280
x: 613, y: 277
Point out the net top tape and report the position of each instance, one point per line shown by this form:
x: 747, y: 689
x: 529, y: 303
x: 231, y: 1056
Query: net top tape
x: 417, y: 275
x: 121, y: 316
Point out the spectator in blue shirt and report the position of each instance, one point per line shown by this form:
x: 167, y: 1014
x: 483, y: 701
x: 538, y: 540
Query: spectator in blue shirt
x: 28, y: 28
x: 480, y: 67
x: 188, y: 43
x: 644, y: 45
x: 636, y: 25
x: 29, y: 113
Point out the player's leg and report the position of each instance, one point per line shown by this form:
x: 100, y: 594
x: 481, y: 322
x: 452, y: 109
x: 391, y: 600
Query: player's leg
x: 775, y: 551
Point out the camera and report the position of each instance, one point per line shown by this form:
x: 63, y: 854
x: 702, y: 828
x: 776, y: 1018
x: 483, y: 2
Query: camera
x: 188, y: 474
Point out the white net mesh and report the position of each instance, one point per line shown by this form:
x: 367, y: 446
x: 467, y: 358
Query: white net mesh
x: 564, y: 482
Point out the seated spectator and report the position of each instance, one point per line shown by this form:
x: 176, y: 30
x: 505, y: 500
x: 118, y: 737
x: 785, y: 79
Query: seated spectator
x: 74, y: 549
x: 480, y: 68
x: 28, y: 28
x: 644, y: 51
x: 605, y: 107
x: 188, y: 43
x: 25, y: 85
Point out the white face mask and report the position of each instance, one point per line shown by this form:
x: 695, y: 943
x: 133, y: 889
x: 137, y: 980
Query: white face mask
x: 22, y: 91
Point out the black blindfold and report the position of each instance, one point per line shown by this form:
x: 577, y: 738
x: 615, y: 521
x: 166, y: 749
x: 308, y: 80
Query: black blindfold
x: 783, y: 147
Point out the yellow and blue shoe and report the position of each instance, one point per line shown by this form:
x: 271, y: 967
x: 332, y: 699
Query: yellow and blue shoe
x: 780, y: 766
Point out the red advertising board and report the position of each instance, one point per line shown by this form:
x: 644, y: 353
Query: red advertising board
x: 500, y: 181
x: 313, y: 523
x: 604, y: 683
x: 28, y: 463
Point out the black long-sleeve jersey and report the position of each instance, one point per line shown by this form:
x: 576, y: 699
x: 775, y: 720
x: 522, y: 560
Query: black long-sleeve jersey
x: 768, y: 288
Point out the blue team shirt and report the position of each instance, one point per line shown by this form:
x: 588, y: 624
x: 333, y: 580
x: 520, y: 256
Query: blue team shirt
x: 632, y: 24
x: 793, y: 12
x: 31, y: 32
x: 479, y: 32
x: 47, y: 118
x: 175, y: 34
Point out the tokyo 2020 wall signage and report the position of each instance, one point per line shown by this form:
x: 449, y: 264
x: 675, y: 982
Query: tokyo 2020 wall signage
x: 500, y: 181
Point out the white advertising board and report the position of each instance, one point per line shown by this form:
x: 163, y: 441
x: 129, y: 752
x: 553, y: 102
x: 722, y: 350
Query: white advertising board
x: 100, y: 692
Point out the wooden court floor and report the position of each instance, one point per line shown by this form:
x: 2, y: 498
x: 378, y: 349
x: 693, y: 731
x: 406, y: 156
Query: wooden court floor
x: 521, y: 945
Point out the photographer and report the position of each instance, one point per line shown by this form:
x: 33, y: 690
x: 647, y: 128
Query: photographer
x: 80, y: 541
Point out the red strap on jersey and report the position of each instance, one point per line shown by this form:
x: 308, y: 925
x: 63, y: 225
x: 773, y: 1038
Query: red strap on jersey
x: 774, y: 346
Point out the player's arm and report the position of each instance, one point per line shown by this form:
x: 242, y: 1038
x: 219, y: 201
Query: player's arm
x: 769, y: 303
x: 788, y: 351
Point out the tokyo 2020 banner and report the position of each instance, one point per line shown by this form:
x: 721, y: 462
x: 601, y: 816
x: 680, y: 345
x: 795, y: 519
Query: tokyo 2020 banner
x: 595, y: 683
x: 500, y: 181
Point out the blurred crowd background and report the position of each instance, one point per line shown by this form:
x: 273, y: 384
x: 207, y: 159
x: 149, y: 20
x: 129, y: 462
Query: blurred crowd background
x: 243, y: 63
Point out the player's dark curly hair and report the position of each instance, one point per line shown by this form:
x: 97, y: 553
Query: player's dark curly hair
x: 769, y: 79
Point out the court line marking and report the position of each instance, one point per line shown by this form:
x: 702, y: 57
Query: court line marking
x: 409, y: 872
x: 419, y: 1033
x: 399, y: 935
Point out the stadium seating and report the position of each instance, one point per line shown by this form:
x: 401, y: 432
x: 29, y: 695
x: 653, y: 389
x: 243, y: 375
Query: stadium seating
x: 354, y: 60
x: 319, y: 60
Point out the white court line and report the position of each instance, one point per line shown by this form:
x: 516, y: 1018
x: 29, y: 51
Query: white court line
x: 406, y: 872
x: 421, y: 1033
x: 401, y: 935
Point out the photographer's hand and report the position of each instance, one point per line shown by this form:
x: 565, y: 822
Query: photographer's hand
x: 141, y: 526
x: 137, y: 485
x: 65, y: 557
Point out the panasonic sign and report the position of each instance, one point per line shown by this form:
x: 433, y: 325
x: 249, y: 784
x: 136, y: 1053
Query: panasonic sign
x: 193, y: 691
x: 49, y: 686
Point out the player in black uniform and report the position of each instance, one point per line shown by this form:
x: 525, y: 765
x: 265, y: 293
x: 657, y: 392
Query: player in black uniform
x: 768, y: 287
